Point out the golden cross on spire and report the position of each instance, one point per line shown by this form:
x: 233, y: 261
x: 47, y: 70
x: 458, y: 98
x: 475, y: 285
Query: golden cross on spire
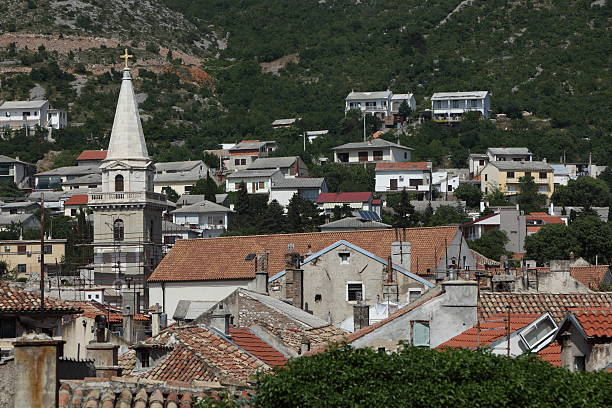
x: 126, y: 57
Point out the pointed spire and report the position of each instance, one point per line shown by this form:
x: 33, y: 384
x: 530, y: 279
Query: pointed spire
x: 127, y: 140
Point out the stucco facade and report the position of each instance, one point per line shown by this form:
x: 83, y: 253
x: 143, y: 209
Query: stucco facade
x: 24, y: 256
x: 505, y: 176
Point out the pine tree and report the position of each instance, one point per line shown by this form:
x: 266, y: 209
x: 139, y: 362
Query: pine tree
x: 404, y: 212
x: 294, y: 215
x: 242, y: 211
x: 274, y: 219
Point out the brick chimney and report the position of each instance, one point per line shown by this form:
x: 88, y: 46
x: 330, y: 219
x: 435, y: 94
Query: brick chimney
x: 261, y: 274
x: 294, y: 280
x: 36, y: 371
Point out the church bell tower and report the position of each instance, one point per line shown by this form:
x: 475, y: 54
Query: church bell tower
x: 127, y: 213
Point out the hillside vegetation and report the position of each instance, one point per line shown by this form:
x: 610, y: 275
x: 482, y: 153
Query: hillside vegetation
x: 550, y: 58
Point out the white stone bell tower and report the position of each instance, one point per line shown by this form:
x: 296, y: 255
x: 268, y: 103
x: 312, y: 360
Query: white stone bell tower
x: 127, y: 213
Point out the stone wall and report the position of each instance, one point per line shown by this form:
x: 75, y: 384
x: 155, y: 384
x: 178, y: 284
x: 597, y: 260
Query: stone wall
x: 7, y: 383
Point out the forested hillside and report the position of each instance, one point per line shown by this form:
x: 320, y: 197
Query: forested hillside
x: 550, y: 58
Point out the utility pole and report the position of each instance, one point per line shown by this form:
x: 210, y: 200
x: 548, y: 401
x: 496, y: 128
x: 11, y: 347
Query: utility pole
x: 42, y: 252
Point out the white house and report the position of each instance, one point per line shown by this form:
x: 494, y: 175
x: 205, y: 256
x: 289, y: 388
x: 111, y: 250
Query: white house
x: 180, y: 176
x: 53, y: 179
x: 246, y: 152
x: 203, y: 216
x: 256, y: 181
x: 290, y: 166
x: 172, y: 232
x: 372, y: 151
x: 509, y: 154
x: 308, y: 188
x: 447, y: 180
x: 17, y: 171
x: 372, y: 103
x: 397, y: 99
x: 450, y: 106
x: 477, y: 162
x: 409, y: 176
x: 18, y: 114
x: 357, y: 200
x: 561, y: 174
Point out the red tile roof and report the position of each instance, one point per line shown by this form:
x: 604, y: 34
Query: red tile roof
x: 551, y: 354
x: 404, y: 166
x: 113, y: 315
x: 18, y: 300
x: 249, y: 341
x: 377, y: 201
x: 491, y: 329
x: 223, y: 258
x: 350, y: 197
x: 197, y: 353
x: 92, y: 155
x: 595, y: 323
x: 77, y: 199
x: 557, y: 304
x: 545, y: 218
x: 590, y: 276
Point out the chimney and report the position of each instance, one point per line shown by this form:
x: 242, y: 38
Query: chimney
x: 294, y: 280
x: 128, y: 324
x: 482, y: 206
x: 156, y: 320
x: 401, y: 254
x: 104, y: 354
x: 261, y: 274
x: 361, y: 316
x: 36, y: 371
x: 567, y: 356
x: 551, y: 209
x: 304, y: 345
x: 220, y: 321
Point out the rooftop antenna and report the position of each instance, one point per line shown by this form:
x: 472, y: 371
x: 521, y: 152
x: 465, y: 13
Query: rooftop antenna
x: 42, y: 251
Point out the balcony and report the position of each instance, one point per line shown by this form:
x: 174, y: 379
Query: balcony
x: 126, y: 197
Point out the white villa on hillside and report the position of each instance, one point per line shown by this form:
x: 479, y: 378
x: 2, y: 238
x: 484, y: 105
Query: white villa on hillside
x: 372, y: 151
x: 381, y: 103
x: 18, y: 114
x: 450, y: 106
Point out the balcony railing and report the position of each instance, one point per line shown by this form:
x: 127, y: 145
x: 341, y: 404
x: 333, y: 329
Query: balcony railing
x: 126, y: 196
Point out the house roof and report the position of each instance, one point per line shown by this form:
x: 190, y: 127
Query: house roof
x: 459, y: 95
x: 19, y: 204
x: 298, y: 182
x: 280, y: 122
x: 223, y: 258
x: 403, y: 166
x: 92, y: 155
x: 192, y: 309
x: 273, y: 162
x: 557, y: 304
x: 23, y: 104
x: 77, y: 199
x: 203, y: 207
x: 198, y: 353
x: 249, y: 341
x: 482, y: 260
x: 590, y: 276
x: 95, y: 178
x: 180, y: 176
x: 6, y: 159
x: 508, y: 150
x: 253, y: 173
x: 249, y: 145
x: 71, y: 171
x: 178, y: 165
x: 369, y: 95
x: 491, y: 330
x: 551, y: 354
x: 92, y: 309
x: 168, y: 226
x: 371, y: 144
x: 354, y: 223
x: 596, y: 322
x: 521, y: 165
x: 345, y: 197
x: 401, y: 97
x: 7, y: 219
x: 14, y: 299
x: 128, y: 392
x: 559, y: 169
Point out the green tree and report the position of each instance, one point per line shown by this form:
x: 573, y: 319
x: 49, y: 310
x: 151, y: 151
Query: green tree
x: 497, y: 198
x: 403, y: 216
x: 206, y: 187
x: 606, y: 176
x: 594, y: 237
x: 448, y: 214
x: 553, y: 241
x: 303, y: 215
x: 529, y: 199
x: 404, y: 110
x: 491, y: 244
x: 469, y: 193
x: 583, y: 192
x: 242, y: 212
x: 274, y: 219
x: 10, y: 189
x: 339, y: 212
x: 171, y: 194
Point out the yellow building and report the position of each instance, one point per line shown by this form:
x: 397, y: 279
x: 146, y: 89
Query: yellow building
x: 505, y: 175
x: 23, y: 256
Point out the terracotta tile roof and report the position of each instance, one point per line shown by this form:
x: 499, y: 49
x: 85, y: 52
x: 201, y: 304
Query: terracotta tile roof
x: 595, y: 323
x: 491, y: 330
x: 92, y: 155
x: 113, y: 315
x: 590, y: 276
x: 77, y: 199
x: 404, y: 166
x: 125, y: 392
x: 14, y: 299
x: 223, y: 258
x: 557, y: 304
x: 249, y: 341
x: 551, y: 354
x: 348, y: 197
x: 197, y: 353
x: 377, y: 201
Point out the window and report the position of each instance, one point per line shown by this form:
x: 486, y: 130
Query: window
x: 473, y: 103
x: 8, y: 114
x: 243, y: 162
x: 378, y: 155
x: 579, y: 363
x: 481, y: 162
x: 188, y: 189
x: 143, y: 357
x: 48, y: 249
x: 486, y: 177
x: 542, y: 175
x: 118, y: 182
x: 7, y: 248
x: 420, y: 333
x: 237, y: 162
x: 261, y: 185
x: 510, y: 174
x: 354, y: 291
x: 343, y: 157
x: 21, y: 268
x: 449, y: 188
x: 118, y: 230
x: 415, y: 182
x: 344, y: 257
x: 169, y: 240
x: 413, y: 294
x: 8, y: 328
x: 456, y: 104
x: 405, y: 155
x: 237, y: 185
x: 363, y: 156
x: 538, y: 331
x: 26, y: 113
x: 393, y: 184
x: 527, y: 174
x: 21, y: 249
